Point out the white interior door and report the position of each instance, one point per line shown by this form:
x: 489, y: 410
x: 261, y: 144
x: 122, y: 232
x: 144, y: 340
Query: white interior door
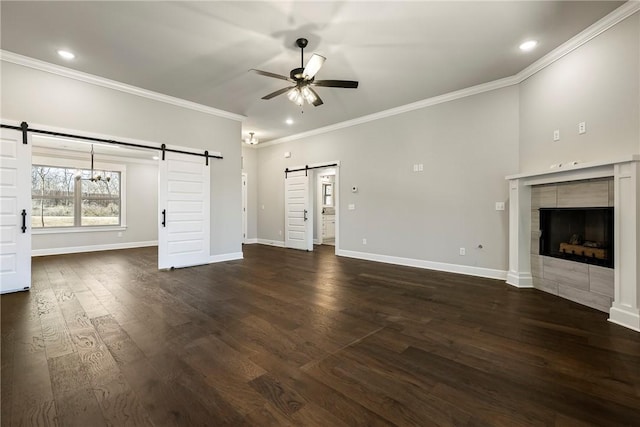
x: 298, y: 215
x: 15, y: 212
x: 183, y: 201
x: 244, y: 208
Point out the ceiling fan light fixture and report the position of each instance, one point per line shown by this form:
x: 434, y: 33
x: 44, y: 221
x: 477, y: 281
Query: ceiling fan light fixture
x: 308, y: 95
x: 295, y: 96
x: 251, y: 139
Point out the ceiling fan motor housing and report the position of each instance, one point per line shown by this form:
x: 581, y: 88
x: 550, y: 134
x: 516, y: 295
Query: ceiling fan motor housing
x: 297, y: 74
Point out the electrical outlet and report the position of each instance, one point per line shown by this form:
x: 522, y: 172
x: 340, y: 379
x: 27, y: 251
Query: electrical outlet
x: 364, y: 241
x: 463, y: 251
x: 499, y: 206
x: 556, y: 135
x: 582, y: 128
x: 280, y: 232
x: 352, y: 207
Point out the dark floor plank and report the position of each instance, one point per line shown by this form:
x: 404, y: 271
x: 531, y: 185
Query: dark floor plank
x: 286, y: 337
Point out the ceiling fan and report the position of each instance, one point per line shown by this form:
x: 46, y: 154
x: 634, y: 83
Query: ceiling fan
x: 303, y: 79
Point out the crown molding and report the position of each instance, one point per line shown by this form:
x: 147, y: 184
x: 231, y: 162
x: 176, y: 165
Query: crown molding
x: 451, y: 96
x: 615, y: 17
x: 59, y: 70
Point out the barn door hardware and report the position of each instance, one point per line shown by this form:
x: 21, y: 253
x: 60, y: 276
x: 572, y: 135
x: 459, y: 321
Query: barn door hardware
x: 24, y: 128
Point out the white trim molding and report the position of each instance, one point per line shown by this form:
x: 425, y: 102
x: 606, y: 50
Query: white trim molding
x: 451, y: 96
x: 92, y: 248
x: 226, y: 257
x: 615, y: 17
x: 251, y: 241
x: 59, y: 70
x: 277, y: 243
x: 488, y: 273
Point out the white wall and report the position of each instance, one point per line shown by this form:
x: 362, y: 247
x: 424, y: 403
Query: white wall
x: 141, y: 215
x: 467, y: 147
x: 51, y: 100
x: 598, y: 83
x: 250, y: 167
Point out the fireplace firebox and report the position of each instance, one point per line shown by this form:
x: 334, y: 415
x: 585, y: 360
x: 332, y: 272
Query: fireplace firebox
x: 578, y: 234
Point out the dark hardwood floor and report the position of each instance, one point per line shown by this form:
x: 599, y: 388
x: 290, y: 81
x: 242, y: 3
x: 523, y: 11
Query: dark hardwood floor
x: 285, y: 337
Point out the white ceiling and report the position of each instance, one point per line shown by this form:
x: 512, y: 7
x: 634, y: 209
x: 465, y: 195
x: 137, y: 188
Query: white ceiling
x: 201, y: 51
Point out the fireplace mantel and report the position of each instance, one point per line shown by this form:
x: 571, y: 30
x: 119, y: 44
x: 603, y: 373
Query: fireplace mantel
x: 625, y: 309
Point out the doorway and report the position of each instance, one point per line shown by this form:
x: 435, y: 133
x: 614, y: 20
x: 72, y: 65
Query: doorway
x: 312, y: 206
x: 325, y: 207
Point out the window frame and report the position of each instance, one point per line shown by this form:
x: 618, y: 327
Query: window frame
x: 69, y: 163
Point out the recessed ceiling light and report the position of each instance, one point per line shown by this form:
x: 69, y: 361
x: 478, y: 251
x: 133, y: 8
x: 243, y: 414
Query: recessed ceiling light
x: 528, y: 45
x: 66, y: 54
x: 156, y: 158
x: 289, y: 121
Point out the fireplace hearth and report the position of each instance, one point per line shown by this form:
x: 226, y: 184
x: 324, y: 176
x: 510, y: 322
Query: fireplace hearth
x: 578, y: 234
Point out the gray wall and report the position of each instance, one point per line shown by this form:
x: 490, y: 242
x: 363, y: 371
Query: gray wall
x: 598, y: 83
x: 467, y: 147
x: 250, y: 167
x: 141, y: 217
x: 51, y: 100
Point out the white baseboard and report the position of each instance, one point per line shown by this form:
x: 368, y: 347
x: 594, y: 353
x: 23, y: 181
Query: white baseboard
x: 278, y: 243
x: 316, y: 241
x: 92, y: 248
x: 251, y: 241
x: 629, y: 318
x: 225, y: 257
x: 430, y: 265
x: 520, y: 280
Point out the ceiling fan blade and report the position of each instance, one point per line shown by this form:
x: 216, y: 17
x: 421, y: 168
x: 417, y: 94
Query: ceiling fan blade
x: 318, y: 100
x: 274, y: 75
x: 313, y: 66
x: 278, y: 92
x: 348, y: 84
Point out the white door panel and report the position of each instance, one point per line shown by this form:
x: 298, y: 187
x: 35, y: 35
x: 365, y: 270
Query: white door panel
x: 15, y: 198
x: 184, y: 197
x: 299, y: 220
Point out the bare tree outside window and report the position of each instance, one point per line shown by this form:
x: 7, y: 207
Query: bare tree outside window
x: 65, y: 197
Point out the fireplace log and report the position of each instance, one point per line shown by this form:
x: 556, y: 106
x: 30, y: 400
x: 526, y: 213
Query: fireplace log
x: 586, y: 251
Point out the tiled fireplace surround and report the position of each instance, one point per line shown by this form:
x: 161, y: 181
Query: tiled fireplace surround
x: 614, y: 184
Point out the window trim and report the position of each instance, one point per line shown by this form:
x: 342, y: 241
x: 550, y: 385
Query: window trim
x: 60, y: 162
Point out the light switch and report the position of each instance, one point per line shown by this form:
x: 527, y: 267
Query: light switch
x: 420, y: 167
x: 499, y: 206
x: 352, y: 207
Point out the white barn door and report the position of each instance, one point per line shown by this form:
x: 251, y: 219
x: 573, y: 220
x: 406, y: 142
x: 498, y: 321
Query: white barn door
x: 298, y: 214
x: 183, y: 201
x: 15, y: 212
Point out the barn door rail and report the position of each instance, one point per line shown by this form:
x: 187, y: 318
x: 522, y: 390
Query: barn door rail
x: 307, y: 168
x: 24, y: 128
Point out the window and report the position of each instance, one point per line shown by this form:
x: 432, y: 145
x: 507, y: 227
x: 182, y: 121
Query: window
x: 69, y: 197
x: 327, y: 194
